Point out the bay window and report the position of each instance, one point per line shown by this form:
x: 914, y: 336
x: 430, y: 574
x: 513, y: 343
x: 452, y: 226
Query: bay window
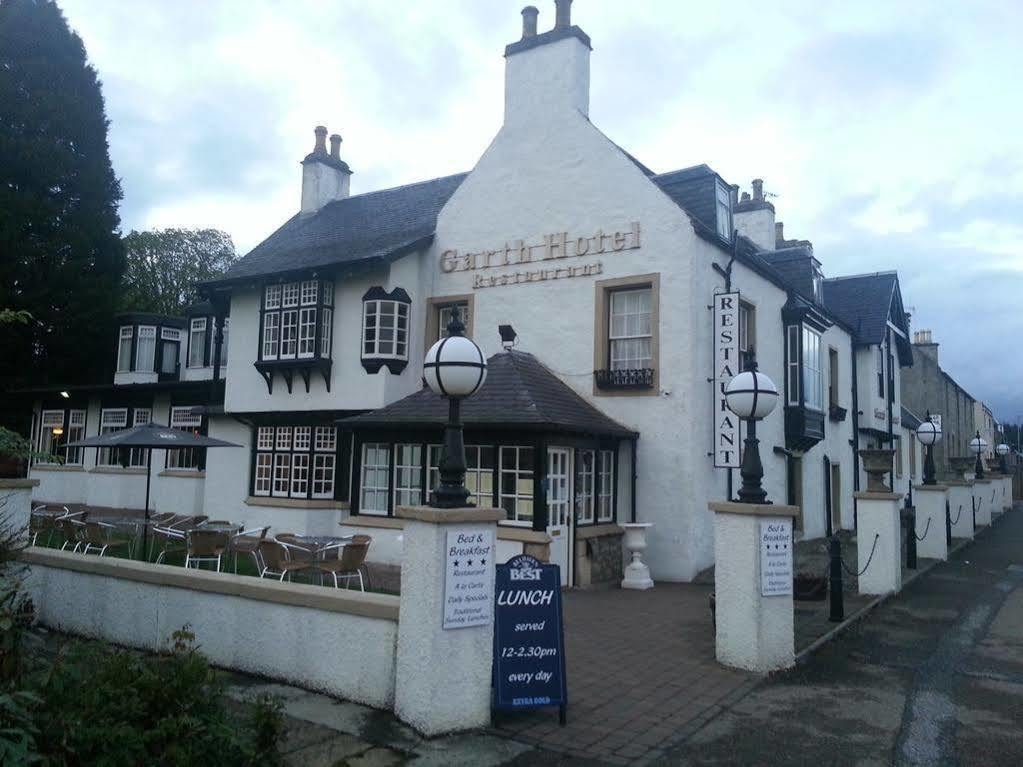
x: 124, y: 349
x: 408, y: 475
x: 145, y: 349
x: 197, y: 343
x: 169, y: 350
x: 813, y: 377
x: 376, y: 468
x: 385, y: 323
x: 295, y: 461
x: 479, y: 472
x: 296, y: 321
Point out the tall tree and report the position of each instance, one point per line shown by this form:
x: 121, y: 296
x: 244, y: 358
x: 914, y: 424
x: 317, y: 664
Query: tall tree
x: 61, y: 256
x: 164, y: 265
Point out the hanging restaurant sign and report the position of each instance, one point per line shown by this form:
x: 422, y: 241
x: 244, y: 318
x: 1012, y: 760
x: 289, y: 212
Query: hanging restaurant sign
x: 726, y: 366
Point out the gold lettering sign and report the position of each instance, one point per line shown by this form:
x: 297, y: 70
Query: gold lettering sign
x: 553, y: 247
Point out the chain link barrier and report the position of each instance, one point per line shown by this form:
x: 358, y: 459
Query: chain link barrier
x: 873, y: 550
x: 956, y: 520
x: 926, y: 530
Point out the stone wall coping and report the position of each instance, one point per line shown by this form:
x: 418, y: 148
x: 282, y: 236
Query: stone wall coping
x: 931, y: 488
x: 367, y: 520
x: 13, y: 484
x: 869, y: 495
x: 183, y: 473
x: 753, y: 509
x: 295, y: 503
x: 326, y: 598
x: 959, y: 482
x: 57, y: 467
x: 985, y: 481
x: 598, y: 531
x: 449, y: 516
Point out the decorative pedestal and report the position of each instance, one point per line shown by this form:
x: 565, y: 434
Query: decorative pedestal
x: 983, y: 490
x: 637, y: 574
x: 754, y: 631
x: 877, y: 516
x: 443, y: 676
x: 930, y: 521
x: 960, y: 503
x: 16, y: 502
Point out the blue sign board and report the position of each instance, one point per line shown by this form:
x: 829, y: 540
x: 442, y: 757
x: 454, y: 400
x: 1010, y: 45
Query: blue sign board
x: 529, y: 639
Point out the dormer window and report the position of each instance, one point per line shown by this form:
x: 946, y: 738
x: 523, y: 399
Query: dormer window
x: 385, y: 319
x: 124, y: 349
x: 724, y: 211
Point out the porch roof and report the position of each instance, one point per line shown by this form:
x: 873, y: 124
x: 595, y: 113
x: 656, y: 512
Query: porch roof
x: 519, y: 393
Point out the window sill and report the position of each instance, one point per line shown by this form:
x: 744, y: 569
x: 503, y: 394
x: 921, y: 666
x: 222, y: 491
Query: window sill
x: 368, y: 520
x: 184, y: 473
x: 294, y: 503
x: 57, y: 467
x: 117, y: 470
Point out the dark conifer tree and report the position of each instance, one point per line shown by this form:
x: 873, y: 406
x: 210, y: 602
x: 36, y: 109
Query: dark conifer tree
x: 61, y: 257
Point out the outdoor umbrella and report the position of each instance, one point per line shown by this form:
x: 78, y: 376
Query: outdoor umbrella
x: 151, y: 435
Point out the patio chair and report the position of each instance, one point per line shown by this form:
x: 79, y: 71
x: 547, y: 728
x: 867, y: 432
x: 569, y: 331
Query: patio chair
x: 247, y: 542
x: 72, y: 527
x: 299, y: 557
x: 350, y: 564
x: 44, y: 520
x: 100, y: 536
x: 272, y: 558
x: 170, y: 540
x: 204, y: 546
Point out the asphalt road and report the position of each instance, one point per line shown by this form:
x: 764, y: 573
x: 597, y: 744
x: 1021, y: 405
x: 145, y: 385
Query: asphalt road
x: 934, y: 676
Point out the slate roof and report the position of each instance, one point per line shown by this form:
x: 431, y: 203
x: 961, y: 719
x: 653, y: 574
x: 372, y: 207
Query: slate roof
x: 372, y: 226
x: 519, y: 393
x: 910, y: 420
x: 863, y: 302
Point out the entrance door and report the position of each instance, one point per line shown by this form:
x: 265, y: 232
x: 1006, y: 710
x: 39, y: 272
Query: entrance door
x: 559, y: 508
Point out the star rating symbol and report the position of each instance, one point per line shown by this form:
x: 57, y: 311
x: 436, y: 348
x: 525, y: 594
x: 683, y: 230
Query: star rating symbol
x: 483, y: 561
x: 456, y: 563
x: 469, y: 563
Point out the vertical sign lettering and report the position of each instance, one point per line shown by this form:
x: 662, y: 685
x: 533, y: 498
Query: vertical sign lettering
x: 726, y: 365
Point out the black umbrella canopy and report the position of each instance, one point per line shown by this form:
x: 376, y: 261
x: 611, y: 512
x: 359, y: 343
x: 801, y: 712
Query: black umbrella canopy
x: 151, y: 435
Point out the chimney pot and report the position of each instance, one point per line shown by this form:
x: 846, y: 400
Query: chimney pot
x: 335, y: 146
x: 529, y: 15
x: 562, y: 14
x: 758, y: 189
x: 321, y: 139
x: 745, y: 196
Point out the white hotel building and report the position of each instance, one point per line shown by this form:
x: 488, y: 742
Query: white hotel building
x: 605, y: 409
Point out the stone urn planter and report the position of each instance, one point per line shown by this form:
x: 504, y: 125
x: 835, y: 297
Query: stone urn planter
x: 877, y: 463
x: 637, y: 574
x: 962, y: 465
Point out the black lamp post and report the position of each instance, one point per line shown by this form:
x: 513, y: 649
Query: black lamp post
x: 977, y: 445
x: 454, y: 368
x: 751, y: 396
x: 929, y: 435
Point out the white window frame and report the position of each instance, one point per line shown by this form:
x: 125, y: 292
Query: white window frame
x: 378, y: 491
x: 140, y: 417
x: 300, y: 477
x: 407, y: 463
x: 398, y: 327
x: 723, y: 199
x: 444, y: 316
x: 127, y: 333
x: 310, y: 461
x: 225, y: 334
x: 271, y: 335
x: 605, y: 486
x: 197, y: 327
x: 48, y: 421
x: 272, y: 297
x: 326, y: 332
x: 263, y: 474
x: 309, y: 291
x: 615, y: 339
x: 324, y: 473
x: 306, y: 332
x: 812, y: 373
x: 147, y: 333
x: 289, y: 334
x: 184, y: 459
x: 290, y: 295
x: 110, y: 420
x: 793, y: 378
x: 328, y: 293
x: 585, y: 488
x: 515, y: 516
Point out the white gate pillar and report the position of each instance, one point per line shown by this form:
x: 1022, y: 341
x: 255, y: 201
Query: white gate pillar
x: 930, y: 521
x: 753, y: 631
x: 982, y: 491
x: 960, y: 501
x: 880, y: 564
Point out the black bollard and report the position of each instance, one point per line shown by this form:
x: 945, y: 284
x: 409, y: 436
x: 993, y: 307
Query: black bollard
x: 948, y: 523
x: 911, y: 539
x: 837, y: 606
x: 973, y: 503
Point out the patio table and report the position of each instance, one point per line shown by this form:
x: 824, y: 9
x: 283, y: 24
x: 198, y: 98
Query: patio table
x: 230, y: 529
x: 318, y: 545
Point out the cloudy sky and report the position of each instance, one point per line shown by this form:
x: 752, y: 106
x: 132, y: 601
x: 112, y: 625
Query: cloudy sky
x: 888, y: 131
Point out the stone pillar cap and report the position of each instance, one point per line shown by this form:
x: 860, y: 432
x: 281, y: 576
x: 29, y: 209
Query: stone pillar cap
x: 934, y: 488
x: 753, y: 509
x: 867, y: 495
x: 449, y: 516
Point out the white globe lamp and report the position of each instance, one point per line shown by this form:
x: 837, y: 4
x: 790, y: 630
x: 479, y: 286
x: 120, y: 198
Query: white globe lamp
x: 751, y: 396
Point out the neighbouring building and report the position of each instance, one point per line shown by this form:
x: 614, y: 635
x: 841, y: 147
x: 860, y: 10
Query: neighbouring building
x: 596, y: 287
x: 986, y: 423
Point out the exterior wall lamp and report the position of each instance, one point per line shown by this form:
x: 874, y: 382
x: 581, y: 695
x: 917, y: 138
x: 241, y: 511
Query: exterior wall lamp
x: 977, y: 446
x: 1002, y: 450
x: 454, y: 368
x: 751, y: 396
x: 929, y: 435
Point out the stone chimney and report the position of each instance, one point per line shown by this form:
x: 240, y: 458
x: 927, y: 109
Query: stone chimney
x: 779, y: 234
x: 547, y: 73
x: 754, y: 218
x: 325, y: 176
x: 924, y: 341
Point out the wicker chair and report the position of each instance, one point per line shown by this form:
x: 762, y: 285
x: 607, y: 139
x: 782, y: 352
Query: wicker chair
x: 204, y: 546
x: 350, y: 564
x: 170, y: 540
x: 299, y: 557
x: 247, y: 542
x: 272, y: 557
x: 99, y: 536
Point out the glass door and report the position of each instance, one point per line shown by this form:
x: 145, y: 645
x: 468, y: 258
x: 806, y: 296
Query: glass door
x: 559, y: 509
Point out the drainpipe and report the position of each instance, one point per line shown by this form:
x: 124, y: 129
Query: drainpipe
x: 856, y: 433
x: 632, y: 513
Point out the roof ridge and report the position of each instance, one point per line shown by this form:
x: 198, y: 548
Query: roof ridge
x: 395, y: 188
x: 687, y: 168
x: 862, y: 276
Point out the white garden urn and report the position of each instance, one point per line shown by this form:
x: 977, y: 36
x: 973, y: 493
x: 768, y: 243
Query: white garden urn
x: 637, y: 574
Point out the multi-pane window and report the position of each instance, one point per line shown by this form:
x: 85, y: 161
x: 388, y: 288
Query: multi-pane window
x: 479, y: 472
x: 747, y: 334
x: 124, y: 350
x: 792, y: 364
x: 197, y: 342
x: 630, y: 332
x: 444, y: 316
x: 137, y: 455
x: 724, y: 211
x: 296, y: 322
x: 408, y: 475
x: 193, y: 458
x: 880, y: 371
x: 51, y: 430
x: 145, y: 350
x: 385, y: 329
x: 111, y: 420
x: 813, y: 377
x: 584, y: 470
x: 605, y: 486
x: 295, y: 461
x: 375, y: 472
x: 515, y: 491
x: 171, y: 338
x: 832, y: 377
